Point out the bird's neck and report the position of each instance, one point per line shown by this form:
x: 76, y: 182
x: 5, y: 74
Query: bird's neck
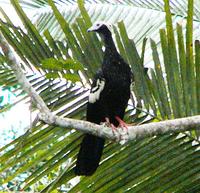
x: 109, y: 44
x: 111, y: 57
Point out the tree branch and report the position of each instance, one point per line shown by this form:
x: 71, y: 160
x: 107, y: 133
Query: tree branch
x: 21, y: 78
x: 134, y: 132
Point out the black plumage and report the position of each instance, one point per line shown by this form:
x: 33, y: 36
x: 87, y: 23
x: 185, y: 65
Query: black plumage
x: 108, y: 98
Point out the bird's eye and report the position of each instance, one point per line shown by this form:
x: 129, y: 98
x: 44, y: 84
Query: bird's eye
x: 98, y: 24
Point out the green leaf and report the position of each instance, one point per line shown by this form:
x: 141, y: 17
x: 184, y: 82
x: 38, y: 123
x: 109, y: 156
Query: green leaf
x: 72, y: 77
x: 61, y: 64
x: 57, y: 46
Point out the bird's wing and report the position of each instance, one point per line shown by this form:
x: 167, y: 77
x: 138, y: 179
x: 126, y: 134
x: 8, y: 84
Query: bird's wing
x: 92, y: 147
x: 97, y: 87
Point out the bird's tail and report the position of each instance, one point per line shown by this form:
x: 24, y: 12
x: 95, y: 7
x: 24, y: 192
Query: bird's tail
x: 89, y: 155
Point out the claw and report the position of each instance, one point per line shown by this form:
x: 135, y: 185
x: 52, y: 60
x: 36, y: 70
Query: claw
x: 122, y: 124
x: 109, y: 124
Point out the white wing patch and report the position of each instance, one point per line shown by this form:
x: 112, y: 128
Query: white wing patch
x: 96, y: 91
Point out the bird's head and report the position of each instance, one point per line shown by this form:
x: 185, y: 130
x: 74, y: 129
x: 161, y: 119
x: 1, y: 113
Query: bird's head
x: 101, y: 27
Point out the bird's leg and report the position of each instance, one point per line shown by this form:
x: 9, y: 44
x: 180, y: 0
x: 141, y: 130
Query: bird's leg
x: 109, y: 124
x: 122, y: 124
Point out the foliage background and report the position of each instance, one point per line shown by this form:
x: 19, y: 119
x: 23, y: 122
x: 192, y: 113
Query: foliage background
x: 59, y: 59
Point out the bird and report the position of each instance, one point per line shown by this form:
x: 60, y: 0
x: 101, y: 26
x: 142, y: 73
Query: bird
x: 107, y: 102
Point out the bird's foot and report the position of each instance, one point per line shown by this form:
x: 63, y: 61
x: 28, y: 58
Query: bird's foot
x: 120, y: 132
x: 109, y: 124
x: 122, y: 124
x: 124, y: 130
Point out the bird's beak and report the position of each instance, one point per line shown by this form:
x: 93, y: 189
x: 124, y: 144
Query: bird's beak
x: 91, y: 29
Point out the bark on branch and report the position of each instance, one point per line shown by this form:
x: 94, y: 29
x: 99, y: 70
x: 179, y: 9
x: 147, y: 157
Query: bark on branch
x: 134, y: 132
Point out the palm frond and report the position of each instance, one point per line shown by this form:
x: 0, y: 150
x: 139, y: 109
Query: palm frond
x: 177, y: 7
x: 168, y: 163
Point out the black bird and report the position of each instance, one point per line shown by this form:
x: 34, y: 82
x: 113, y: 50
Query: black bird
x: 108, y: 100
